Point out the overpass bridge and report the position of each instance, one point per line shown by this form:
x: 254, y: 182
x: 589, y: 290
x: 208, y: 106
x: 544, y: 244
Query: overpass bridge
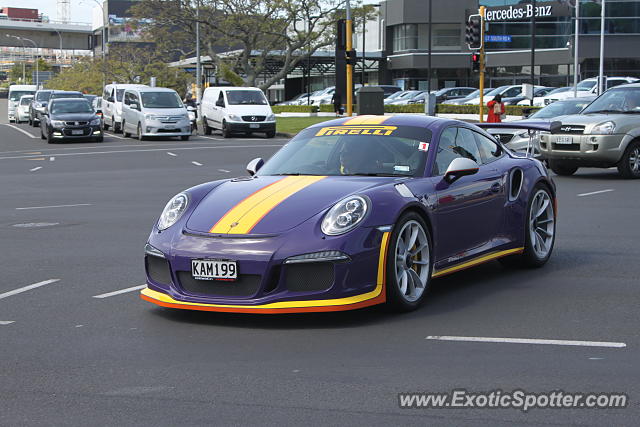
x: 51, y: 34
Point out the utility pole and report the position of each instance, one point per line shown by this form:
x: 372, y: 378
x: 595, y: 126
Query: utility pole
x: 533, y: 51
x: 198, y: 65
x: 575, y: 51
x: 349, y: 47
x: 482, y: 64
x: 601, y: 85
x: 430, y: 44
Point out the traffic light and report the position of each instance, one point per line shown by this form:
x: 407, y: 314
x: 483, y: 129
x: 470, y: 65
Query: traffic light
x: 351, y: 57
x: 473, y: 32
x: 475, y: 62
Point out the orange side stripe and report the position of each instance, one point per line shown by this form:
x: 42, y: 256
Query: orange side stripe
x: 367, y: 120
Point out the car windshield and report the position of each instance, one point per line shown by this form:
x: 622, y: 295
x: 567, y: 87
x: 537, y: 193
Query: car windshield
x: 66, y: 95
x: 368, y: 150
x: 560, y: 90
x: 396, y: 95
x: 586, y: 85
x: 497, y: 91
x: 560, y: 108
x: 43, y: 96
x: 119, y: 94
x: 161, y: 100
x: 619, y: 100
x: 16, y: 95
x: 246, y: 97
x: 66, y: 107
x: 26, y: 100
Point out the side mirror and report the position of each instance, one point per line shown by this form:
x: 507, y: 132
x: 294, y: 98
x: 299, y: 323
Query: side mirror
x: 254, y: 165
x: 460, y: 167
x: 220, y: 103
x: 134, y: 106
x: 110, y: 99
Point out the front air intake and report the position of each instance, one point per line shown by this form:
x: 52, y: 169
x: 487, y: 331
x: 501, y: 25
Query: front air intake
x: 515, y: 183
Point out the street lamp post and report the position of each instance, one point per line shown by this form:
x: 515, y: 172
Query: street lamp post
x: 198, y: 66
x: 103, y: 43
x: 36, y: 57
x: 24, y: 54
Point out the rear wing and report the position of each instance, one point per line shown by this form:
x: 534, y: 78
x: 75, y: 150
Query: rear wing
x: 543, y: 126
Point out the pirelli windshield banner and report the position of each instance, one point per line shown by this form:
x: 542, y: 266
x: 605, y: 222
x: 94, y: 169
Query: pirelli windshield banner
x: 524, y: 11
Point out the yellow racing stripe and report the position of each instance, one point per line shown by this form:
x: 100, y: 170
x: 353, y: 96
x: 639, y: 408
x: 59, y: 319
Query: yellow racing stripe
x: 476, y: 261
x: 366, y: 120
x: 244, y: 216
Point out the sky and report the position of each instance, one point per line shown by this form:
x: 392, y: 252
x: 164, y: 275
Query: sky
x: 80, y: 9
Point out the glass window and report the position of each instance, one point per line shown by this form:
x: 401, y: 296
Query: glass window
x: 246, y: 97
x: 622, y: 99
x: 489, y: 150
x: 64, y: 107
x: 26, y: 100
x: 43, y: 96
x: 17, y: 94
x: 161, y: 100
x: 405, y: 37
x: 446, y: 35
x: 119, y: 94
x: 455, y: 142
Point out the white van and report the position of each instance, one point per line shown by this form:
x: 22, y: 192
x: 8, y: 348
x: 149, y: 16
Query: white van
x: 237, y: 110
x: 112, y: 104
x: 15, y: 93
x: 154, y: 111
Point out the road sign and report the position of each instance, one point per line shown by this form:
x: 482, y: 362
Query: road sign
x: 497, y: 38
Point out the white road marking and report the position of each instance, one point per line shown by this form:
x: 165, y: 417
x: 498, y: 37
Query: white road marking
x: 172, y: 154
x: 210, y: 137
x: 53, y: 206
x: 114, y: 135
x: 596, y: 192
x: 197, y: 163
x: 223, y: 170
x: 27, y: 288
x: 21, y: 130
x: 35, y: 224
x: 35, y: 169
x: 528, y: 341
x: 6, y: 322
x: 51, y: 159
x: 121, y: 291
x: 208, y: 147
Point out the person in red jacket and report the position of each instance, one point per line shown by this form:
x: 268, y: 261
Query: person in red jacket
x: 496, y: 110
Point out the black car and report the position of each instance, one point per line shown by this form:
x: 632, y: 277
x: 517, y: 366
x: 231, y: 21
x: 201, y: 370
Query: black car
x: 38, y: 106
x: 69, y: 119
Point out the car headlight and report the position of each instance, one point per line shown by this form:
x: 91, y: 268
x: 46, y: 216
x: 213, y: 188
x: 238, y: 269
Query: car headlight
x: 345, y: 215
x: 605, y: 128
x: 150, y: 117
x: 57, y: 123
x: 95, y: 122
x: 271, y: 117
x: 173, y: 211
x: 235, y: 118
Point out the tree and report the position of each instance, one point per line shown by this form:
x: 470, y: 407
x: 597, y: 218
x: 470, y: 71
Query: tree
x: 260, y: 32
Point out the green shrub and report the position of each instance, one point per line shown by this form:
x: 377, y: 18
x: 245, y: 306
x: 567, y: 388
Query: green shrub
x: 511, y: 110
x: 294, y: 109
x: 409, y: 108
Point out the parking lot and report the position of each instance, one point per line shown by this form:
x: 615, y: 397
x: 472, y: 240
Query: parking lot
x: 78, y: 344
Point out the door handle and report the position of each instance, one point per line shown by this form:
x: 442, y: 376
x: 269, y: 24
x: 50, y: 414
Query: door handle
x: 495, y: 188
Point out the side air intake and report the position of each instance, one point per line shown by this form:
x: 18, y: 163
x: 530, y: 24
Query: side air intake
x: 515, y: 183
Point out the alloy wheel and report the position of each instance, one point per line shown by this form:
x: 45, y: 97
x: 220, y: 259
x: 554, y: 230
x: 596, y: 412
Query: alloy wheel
x: 412, y: 261
x: 541, y: 224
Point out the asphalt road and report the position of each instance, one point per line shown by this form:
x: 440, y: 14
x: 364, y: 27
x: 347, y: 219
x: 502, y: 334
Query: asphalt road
x: 70, y: 358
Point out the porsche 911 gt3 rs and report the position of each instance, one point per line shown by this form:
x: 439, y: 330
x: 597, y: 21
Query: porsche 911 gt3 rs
x: 350, y: 213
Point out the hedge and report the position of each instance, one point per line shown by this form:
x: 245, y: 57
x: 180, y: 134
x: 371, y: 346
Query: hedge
x: 511, y: 110
x: 294, y: 109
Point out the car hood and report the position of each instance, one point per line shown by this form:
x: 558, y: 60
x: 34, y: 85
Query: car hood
x: 589, y: 120
x: 272, y: 204
x: 74, y: 117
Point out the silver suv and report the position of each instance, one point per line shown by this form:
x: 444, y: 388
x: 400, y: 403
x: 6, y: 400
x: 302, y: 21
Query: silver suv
x: 605, y: 134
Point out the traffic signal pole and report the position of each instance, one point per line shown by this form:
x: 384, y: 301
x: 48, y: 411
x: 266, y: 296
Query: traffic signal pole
x: 482, y: 64
x: 349, y: 65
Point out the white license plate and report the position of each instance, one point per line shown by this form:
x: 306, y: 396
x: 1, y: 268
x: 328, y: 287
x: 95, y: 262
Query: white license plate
x: 206, y: 269
x: 169, y: 127
x: 254, y: 126
x: 564, y: 140
x: 77, y: 132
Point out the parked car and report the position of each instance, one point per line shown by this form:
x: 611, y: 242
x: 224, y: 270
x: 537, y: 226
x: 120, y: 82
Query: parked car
x: 589, y: 87
x: 154, y: 111
x: 38, y: 106
x: 538, y: 101
x: 472, y: 95
x: 22, y: 112
x: 388, y: 90
x: 70, y: 119
x: 538, y: 91
x: 406, y: 97
x: 112, y: 96
x: 518, y: 139
x: 504, y: 91
x: 394, y: 96
x: 237, y: 109
x: 15, y: 93
x: 605, y: 134
x: 443, y: 96
x: 294, y: 100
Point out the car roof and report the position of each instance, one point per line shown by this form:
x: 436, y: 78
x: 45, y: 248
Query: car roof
x: 152, y: 89
x: 69, y: 99
x: 66, y: 91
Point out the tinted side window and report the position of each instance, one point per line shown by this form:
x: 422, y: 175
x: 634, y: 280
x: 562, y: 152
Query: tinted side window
x: 455, y: 142
x: 489, y: 150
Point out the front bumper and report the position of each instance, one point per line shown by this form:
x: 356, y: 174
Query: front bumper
x: 357, y: 283
x: 587, y: 150
x: 251, y: 126
x: 155, y: 128
x: 70, y: 132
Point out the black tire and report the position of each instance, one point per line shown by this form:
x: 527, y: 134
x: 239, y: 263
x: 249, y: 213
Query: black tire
x: 206, y: 127
x: 631, y: 155
x: 529, y: 258
x: 50, y: 138
x: 31, y: 121
x: 117, y: 127
x: 36, y: 123
x: 139, y: 134
x: 395, y: 298
x: 42, y: 134
x: 105, y: 126
x: 184, y: 137
x: 271, y: 134
x: 125, y: 133
x: 100, y: 139
x: 225, y: 130
x: 562, y: 169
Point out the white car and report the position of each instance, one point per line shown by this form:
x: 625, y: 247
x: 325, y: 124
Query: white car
x: 15, y: 93
x: 112, y: 97
x: 538, y: 101
x: 154, y: 111
x: 22, y: 112
x: 237, y: 109
x: 588, y: 87
x: 508, y: 91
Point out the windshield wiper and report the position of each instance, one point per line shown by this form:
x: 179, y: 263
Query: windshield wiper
x: 603, y: 111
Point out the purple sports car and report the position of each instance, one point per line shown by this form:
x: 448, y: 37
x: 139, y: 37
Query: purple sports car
x: 350, y: 213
